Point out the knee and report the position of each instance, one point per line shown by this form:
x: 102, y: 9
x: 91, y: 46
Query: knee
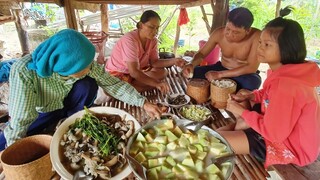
x: 87, y: 83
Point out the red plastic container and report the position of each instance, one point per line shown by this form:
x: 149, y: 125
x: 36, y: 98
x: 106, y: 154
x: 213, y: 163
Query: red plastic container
x: 213, y: 56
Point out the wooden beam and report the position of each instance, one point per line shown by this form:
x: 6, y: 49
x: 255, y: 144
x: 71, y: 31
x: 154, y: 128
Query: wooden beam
x: 137, y: 2
x: 195, y: 3
x: 70, y: 15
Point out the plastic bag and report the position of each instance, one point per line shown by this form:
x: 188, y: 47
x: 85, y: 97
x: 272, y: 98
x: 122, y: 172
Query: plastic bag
x: 183, y: 17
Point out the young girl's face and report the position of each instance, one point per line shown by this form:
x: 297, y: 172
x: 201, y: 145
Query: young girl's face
x: 268, y: 50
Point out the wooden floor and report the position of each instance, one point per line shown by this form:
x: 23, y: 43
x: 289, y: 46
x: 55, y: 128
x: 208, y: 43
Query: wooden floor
x: 247, y: 167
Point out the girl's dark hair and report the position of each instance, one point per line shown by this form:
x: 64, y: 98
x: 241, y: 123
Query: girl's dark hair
x: 241, y: 17
x: 290, y: 37
x: 147, y: 15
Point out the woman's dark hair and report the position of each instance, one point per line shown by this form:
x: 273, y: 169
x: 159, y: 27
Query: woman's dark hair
x: 290, y: 37
x: 241, y: 17
x: 147, y: 15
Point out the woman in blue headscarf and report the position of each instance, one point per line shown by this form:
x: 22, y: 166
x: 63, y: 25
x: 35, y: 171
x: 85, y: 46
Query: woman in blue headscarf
x: 58, y: 79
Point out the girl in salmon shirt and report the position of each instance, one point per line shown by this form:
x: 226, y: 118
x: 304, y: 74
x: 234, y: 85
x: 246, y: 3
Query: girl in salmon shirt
x: 135, y: 56
x: 286, y: 128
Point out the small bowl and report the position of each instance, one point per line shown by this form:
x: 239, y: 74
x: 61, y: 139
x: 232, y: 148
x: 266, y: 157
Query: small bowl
x: 169, y: 100
x: 196, y: 113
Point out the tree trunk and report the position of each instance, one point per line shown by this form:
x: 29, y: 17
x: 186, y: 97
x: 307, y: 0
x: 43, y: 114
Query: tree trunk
x: 220, y: 9
x: 278, y: 8
x: 21, y: 29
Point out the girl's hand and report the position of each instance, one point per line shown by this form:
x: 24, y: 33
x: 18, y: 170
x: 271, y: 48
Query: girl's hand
x: 234, y: 107
x: 243, y: 95
x: 152, y: 110
x: 180, y: 62
x: 163, y: 87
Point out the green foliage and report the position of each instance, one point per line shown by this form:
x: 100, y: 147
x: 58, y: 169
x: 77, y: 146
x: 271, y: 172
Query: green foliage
x: 304, y: 13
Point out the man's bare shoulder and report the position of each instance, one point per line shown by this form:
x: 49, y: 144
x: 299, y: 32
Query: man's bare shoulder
x: 255, y: 33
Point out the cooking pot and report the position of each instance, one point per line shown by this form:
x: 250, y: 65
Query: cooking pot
x: 165, y: 55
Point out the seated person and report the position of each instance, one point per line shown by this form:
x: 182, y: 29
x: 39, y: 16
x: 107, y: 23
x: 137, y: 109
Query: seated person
x: 238, y: 43
x: 286, y: 127
x: 135, y: 57
x: 58, y: 80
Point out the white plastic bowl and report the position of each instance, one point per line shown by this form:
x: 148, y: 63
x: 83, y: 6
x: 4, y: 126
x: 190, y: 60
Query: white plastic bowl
x: 64, y: 127
x: 174, y: 96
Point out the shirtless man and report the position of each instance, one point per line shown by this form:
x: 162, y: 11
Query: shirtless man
x: 238, y: 43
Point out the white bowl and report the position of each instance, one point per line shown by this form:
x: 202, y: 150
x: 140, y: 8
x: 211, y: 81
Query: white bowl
x: 186, y: 97
x: 64, y: 127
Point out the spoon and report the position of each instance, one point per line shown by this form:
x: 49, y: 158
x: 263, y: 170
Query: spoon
x: 141, y: 170
x: 222, y: 159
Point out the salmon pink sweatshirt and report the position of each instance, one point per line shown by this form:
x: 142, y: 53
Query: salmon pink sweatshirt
x: 290, y: 114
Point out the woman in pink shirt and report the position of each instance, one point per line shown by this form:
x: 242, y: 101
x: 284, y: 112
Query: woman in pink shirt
x: 286, y: 128
x: 135, y: 56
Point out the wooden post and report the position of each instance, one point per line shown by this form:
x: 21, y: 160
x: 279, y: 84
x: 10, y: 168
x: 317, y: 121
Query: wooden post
x: 104, y: 18
x: 220, y: 9
x: 70, y: 15
x: 21, y: 29
x: 175, y: 46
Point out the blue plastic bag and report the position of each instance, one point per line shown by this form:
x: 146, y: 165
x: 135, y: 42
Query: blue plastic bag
x: 5, y: 67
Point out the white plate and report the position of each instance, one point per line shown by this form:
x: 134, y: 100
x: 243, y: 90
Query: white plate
x: 174, y: 96
x: 64, y: 127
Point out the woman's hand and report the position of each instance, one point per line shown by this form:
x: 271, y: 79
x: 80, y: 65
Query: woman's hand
x: 163, y: 87
x: 213, y: 75
x: 180, y: 62
x: 152, y: 110
x: 187, y: 71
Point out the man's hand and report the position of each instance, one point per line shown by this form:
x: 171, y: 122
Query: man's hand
x: 152, y: 110
x: 180, y: 62
x: 187, y: 71
x: 213, y: 75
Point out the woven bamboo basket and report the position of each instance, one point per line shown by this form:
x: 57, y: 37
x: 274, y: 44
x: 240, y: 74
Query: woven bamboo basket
x: 28, y: 159
x: 219, y: 96
x: 199, y: 90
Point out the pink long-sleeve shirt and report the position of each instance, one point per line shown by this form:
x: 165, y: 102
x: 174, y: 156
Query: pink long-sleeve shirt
x: 290, y: 118
x: 129, y: 49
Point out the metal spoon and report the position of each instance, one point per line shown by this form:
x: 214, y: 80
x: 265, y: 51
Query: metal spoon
x: 222, y: 159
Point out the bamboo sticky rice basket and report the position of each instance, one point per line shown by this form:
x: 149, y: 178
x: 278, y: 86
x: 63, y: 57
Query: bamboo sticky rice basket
x: 199, y: 90
x: 28, y: 158
x: 219, y: 95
